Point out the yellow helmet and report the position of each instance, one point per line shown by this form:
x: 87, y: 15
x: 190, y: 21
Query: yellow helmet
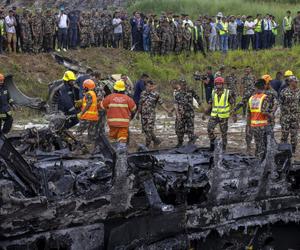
x: 119, y: 86
x: 69, y: 76
x: 267, y: 78
x: 288, y: 73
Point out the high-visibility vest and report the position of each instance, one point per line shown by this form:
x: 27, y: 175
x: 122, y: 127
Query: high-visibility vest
x: 196, y: 33
x: 118, y: 109
x: 287, y: 23
x: 225, y: 28
x: 258, y: 119
x: 92, y: 113
x: 274, y: 28
x: 221, y: 107
x: 257, y: 26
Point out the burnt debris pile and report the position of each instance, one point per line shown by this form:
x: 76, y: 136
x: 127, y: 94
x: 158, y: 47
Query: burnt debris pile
x: 55, y: 196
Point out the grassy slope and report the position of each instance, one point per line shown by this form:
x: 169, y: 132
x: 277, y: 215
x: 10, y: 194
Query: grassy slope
x: 212, y: 7
x: 33, y: 73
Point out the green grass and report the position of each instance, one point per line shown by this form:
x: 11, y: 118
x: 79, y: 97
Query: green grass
x: 212, y: 7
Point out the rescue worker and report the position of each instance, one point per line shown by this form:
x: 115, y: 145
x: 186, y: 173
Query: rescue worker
x: 272, y: 98
x: 287, y: 74
x: 148, y: 102
x: 119, y: 109
x: 220, y: 106
x: 6, y: 103
x: 258, y: 117
x: 184, y: 123
x: 289, y: 104
x: 89, y: 112
x: 64, y: 99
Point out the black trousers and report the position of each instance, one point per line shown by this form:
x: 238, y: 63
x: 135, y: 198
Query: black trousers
x: 6, y: 124
x: 287, y: 39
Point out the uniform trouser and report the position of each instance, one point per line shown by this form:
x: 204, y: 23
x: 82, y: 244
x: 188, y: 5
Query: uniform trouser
x: 267, y: 39
x: 212, y: 42
x: 148, y: 126
x: 249, y: 38
x: 198, y: 46
x: 289, y: 127
x: 184, y: 125
x: 239, y: 40
x: 208, y: 93
x: 287, y: 39
x: 258, y: 40
x: 6, y: 124
x: 223, y: 123
x: 118, y: 134
x: 249, y: 135
x: 260, y: 137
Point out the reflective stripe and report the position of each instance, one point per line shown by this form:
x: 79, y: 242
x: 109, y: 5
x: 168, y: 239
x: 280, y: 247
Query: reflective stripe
x: 117, y: 105
x: 221, y: 107
x: 259, y: 122
x: 287, y: 23
x: 92, y: 113
x: 118, y: 120
x: 72, y: 109
x: 257, y: 26
x: 3, y: 115
x: 258, y: 119
x: 10, y: 100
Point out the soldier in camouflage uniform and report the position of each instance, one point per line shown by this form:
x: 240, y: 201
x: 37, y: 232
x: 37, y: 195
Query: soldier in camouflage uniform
x: 108, y: 31
x: 231, y: 82
x: 155, y: 39
x: 185, y: 115
x: 187, y: 38
x: 178, y: 38
x: 207, y: 31
x: 85, y: 31
x: 126, y: 33
x: 272, y: 99
x: 147, y: 105
x: 217, y: 113
x: 91, y: 17
x: 165, y: 37
x: 26, y: 34
x: 98, y: 29
x: 37, y: 31
x: 48, y: 29
x: 290, y: 105
x: 259, y: 132
x: 172, y: 35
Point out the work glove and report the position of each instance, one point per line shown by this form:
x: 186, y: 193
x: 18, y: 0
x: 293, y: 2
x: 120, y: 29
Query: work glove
x: 78, y: 104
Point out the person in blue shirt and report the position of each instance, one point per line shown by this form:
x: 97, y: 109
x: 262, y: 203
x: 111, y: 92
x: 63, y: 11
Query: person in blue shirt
x: 146, y: 35
x: 139, y: 88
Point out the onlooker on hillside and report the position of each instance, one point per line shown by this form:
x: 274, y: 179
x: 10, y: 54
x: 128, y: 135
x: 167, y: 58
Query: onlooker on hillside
x: 10, y: 27
x: 118, y: 30
x: 63, y: 24
x: 287, y: 30
x: 2, y: 24
x: 249, y: 27
x: 232, y: 30
x: 296, y: 25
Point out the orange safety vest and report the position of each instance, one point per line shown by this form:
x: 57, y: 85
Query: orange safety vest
x: 118, y: 109
x: 92, y: 113
x: 258, y: 119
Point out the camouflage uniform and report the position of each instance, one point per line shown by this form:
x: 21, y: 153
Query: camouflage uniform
x: 232, y: 82
x: 178, y: 38
x: 26, y: 35
x: 206, y: 31
x: 172, y: 36
x: 165, y: 39
x: 184, y: 123
x: 273, y: 104
x: 98, y: 31
x: 48, y: 29
x: 247, y: 82
x: 108, y: 31
x: 37, y: 23
x: 260, y: 133
x: 223, y: 122
x: 85, y: 32
x: 147, y: 105
x: 186, y: 41
x: 289, y: 120
x: 155, y: 39
x: 126, y: 34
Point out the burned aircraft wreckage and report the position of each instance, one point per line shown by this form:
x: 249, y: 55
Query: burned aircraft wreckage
x: 54, y: 195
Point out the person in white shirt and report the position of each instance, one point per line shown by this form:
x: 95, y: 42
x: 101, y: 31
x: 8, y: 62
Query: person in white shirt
x: 267, y: 32
x: 249, y: 26
x: 118, y: 30
x: 232, y: 31
x: 213, y: 35
x: 62, y: 35
x: 187, y: 20
x: 10, y: 27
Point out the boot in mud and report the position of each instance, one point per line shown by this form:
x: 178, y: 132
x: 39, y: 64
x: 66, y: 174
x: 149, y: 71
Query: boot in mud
x: 212, y: 145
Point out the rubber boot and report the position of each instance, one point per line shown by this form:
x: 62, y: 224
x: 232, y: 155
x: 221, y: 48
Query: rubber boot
x: 212, y: 145
x: 293, y: 149
x: 179, y: 144
x: 193, y: 140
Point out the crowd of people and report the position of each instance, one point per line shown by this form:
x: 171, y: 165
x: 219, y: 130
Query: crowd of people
x: 47, y: 30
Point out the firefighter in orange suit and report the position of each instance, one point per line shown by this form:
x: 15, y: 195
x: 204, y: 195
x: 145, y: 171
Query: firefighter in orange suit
x: 119, y: 108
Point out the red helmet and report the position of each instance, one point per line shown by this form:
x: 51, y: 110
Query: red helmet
x: 219, y: 80
x: 89, y: 84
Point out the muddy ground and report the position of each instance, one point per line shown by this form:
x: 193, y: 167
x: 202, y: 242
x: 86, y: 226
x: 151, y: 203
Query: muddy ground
x: 165, y: 130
